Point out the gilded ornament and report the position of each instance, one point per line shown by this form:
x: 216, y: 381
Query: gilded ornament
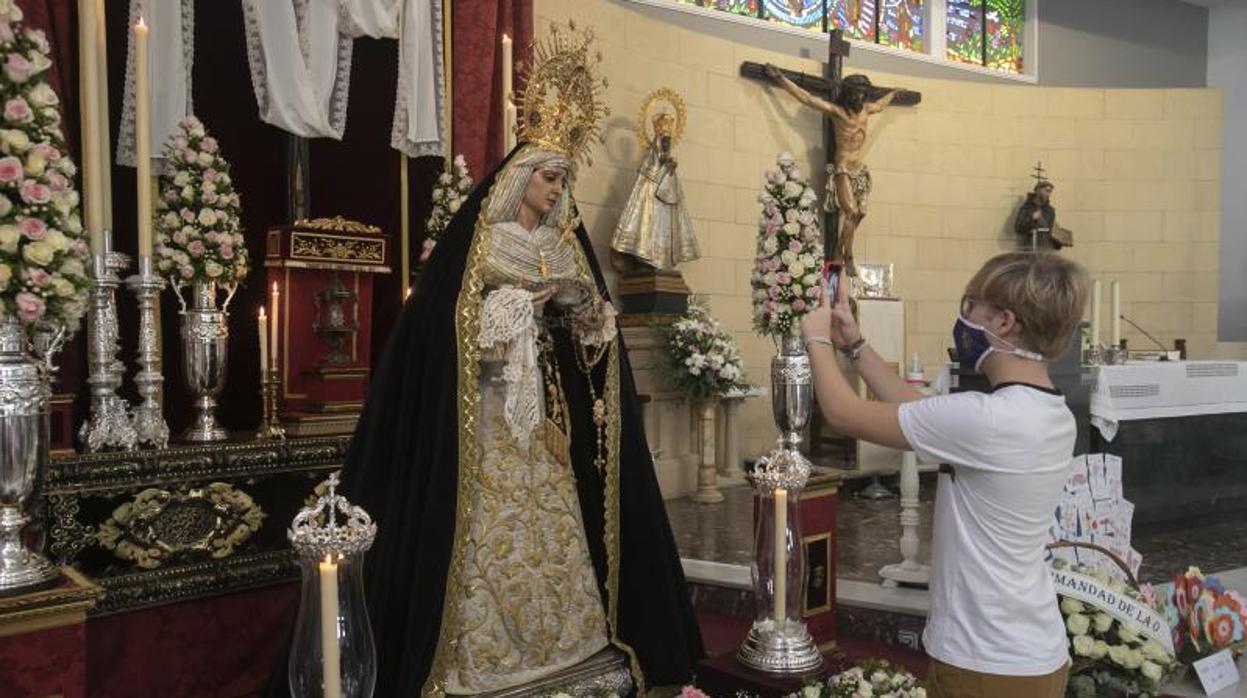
x: 663, y: 122
x: 337, y: 224
x: 562, y: 105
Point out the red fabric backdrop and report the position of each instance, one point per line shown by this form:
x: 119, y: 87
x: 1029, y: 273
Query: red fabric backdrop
x: 478, y: 27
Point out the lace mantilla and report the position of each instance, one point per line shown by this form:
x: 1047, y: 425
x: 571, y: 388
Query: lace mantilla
x: 507, y: 320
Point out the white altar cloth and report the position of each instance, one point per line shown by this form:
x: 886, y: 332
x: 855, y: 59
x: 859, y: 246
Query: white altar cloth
x: 1161, y: 389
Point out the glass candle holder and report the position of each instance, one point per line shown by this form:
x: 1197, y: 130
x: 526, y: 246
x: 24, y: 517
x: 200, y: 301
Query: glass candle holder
x: 333, y: 654
x: 778, y: 567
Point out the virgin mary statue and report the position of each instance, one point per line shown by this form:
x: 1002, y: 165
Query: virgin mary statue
x: 520, y: 525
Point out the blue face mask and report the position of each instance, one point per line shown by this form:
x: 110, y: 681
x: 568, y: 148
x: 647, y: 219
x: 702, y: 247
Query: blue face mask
x: 973, y: 345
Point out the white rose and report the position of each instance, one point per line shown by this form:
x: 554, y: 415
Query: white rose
x: 1078, y: 624
x: 62, y: 287
x: 1100, y: 651
x: 39, y: 253
x: 811, y: 691
x: 182, y: 178
x: 454, y: 205
x: 6, y: 273
x: 1070, y: 606
x: 865, y: 689
x: 1084, y: 646
x: 9, y: 236
x: 769, y: 278
x: 188, y: 193
x: 5, y: 205
x: 770, y: 246
x: 792, y: 190
x: 205, y: 159
x: 196, y: 129
x: 1103, y: 622
x: 1119, y: 654
x: 207, y: 217
x: 790, y: 216
x: 1155, y: 651
x: 788, y: 257
x: 213, y: 270
x: 36, y: 164
x: 16, y: 140
x: 74, y: 224
x: 918, y: 692
x: 785, y: 159
x: 73, y: 267
x: 42, y: 95
x: 57, y: 240
x: 1127, y: 633
x: 1152, y: 671
x: 797, y: 269
x: 810, y: 279
x: 793, y: 228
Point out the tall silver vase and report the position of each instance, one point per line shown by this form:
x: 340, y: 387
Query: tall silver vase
x: 778, y: 642
x: 24, y: 396
x: 205, y: 346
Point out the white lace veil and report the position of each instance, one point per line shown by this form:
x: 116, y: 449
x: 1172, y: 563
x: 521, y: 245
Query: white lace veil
x: 503, y: 202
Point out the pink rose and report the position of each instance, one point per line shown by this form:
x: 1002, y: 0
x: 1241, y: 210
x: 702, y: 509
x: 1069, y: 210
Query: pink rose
x: 29, y: 306
x: 180, y: 142
x: 18, y: 111
x: 798, y: 305
x: 81, y: 247
x: 196, y: 249
x: 773, y: 293
x: 171, y: 195
x: 47, y: 150
x: 18, y: 69
x: 35, y: 193
x: 772, y: 228
x: 769, y: 306
x: 227, y: 252
x: 211, y: 175
x: 814, y: 291
x: 179, y: 237
x: 771, y: 210
x: 188, y: 215
x: 210, y: 197
x: 773, y: 176
x: 208, y: 144
x: 794, y: 245
x: 189, y: 155
x: 6, y: 33
x: 37, y: 276
x: 10, y: 169
x: 186, y: 271
x: 58, y: 182
x: 691, y: 692
x: 783, y: 277
x: 32, y: 228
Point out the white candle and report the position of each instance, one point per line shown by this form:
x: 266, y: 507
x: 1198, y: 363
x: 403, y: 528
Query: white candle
x: 331, y: 658
x: 89, y: 116
x: 508, y: 102
x: 262, y: 323
x: 143, y: 138
x: 1116, y: 292
x: 781, y: 556
x: 105, y: 141
x: 1096, y: 300
x: 272, y: 329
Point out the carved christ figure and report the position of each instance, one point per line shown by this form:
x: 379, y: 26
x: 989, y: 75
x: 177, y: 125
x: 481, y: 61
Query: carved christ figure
x: 849, y: 183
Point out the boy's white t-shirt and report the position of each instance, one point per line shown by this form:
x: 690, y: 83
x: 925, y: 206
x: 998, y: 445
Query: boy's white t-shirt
x: 993, y: 606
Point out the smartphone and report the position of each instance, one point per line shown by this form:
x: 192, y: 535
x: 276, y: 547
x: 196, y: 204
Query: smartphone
x: 831, y: 280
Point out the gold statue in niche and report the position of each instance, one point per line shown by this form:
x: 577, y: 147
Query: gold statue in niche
x: 655, y: 227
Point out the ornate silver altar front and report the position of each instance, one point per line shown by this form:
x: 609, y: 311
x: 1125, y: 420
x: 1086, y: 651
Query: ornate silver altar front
x: 779, y: 642
x: 205, y: 351
x: 109, y: 426
x: 149, y: 421
x: 24, y: 396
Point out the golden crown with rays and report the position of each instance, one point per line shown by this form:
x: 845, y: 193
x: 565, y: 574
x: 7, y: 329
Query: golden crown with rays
x: 663, y: 121
x: 562, y: 106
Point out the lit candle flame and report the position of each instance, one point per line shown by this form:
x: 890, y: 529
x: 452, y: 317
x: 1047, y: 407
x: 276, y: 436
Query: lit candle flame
x: 141, y: 24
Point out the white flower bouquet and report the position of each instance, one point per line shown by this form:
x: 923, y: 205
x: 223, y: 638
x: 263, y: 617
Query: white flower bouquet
x: 1111, y: 657
x: 787, y: 276
x: 701, y: 359
x: 873, y: 678
x: 451, y: 190
x: 44, y: 257
x: 198, y: 231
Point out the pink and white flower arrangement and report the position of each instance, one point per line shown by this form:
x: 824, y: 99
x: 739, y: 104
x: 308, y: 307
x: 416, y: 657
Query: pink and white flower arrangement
x: 43, y: 254
x: 873, y: 678
x: 198, y: 227
x: 701, y: 359
x: 787, y: 274
x: 449, y: 193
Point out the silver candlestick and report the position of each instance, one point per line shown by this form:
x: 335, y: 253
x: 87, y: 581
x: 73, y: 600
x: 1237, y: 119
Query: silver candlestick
x: 270, y: 426
x: 109, y: 425
x: 149, y: 420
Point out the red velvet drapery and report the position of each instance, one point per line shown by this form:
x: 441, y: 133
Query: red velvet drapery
x: 478, y: 27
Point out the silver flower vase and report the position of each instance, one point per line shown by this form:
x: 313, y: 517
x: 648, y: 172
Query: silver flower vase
x: 778, y: 642
x: 24, y: 426
x: 205, y: 349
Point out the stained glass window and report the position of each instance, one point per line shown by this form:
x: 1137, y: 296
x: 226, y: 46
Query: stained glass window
x: 964, y: 31
x: 900, y: 24
x: 855, y: 17
x: 806, y: 14
x: 736, y: 7
x: 1004, y: 34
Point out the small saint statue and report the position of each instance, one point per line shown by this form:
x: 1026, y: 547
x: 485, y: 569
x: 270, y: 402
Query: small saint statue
x: 655, y: 227
x: 1036, y: 220
x: 849, y: 183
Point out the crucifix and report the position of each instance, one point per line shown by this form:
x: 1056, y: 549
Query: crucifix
x: 846, y: 103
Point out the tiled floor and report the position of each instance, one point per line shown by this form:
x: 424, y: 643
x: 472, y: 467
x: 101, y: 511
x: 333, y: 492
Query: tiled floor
x: 869, y: 533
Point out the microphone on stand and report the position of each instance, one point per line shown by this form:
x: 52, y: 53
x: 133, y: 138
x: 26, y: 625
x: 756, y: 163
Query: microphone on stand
x: 1145, y: 333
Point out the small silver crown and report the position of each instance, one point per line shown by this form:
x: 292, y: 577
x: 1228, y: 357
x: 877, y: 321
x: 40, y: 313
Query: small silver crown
x: 310, y: 535
x: 782, y: 467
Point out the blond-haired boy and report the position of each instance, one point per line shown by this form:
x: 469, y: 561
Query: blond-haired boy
x: 994, y: 627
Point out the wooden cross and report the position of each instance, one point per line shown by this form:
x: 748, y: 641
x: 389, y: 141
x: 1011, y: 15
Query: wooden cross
x: 828, y: 87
